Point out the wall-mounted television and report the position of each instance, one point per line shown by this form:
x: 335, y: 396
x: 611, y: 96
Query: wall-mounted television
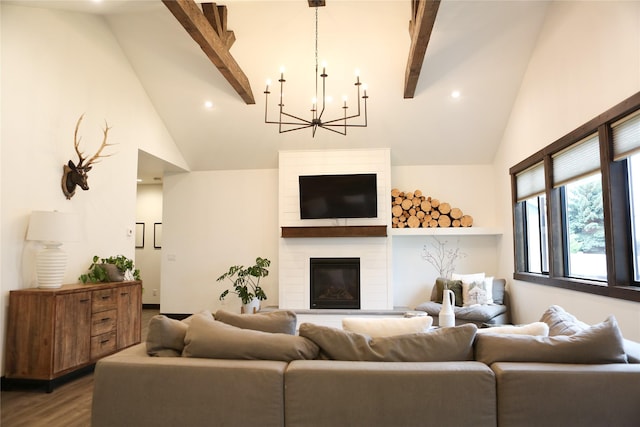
x: 338, y: 196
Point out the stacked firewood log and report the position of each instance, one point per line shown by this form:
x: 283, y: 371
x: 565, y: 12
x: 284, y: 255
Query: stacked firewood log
x: 414, y: 210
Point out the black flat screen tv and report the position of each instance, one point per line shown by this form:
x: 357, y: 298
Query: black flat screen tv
x: 338, y: 196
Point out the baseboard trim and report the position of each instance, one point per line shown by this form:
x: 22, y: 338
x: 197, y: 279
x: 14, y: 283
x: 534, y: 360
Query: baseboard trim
x: 9, y: 384
x: 151, y: 306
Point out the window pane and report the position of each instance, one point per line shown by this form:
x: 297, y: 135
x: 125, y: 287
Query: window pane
x: 585, y: 228
x: 634, y: 195
x: 536, y: 223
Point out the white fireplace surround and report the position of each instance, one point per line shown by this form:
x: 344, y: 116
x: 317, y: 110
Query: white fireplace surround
x: 376, y: 292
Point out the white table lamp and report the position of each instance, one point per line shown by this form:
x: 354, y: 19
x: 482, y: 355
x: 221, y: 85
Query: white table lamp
x: 52, y: 228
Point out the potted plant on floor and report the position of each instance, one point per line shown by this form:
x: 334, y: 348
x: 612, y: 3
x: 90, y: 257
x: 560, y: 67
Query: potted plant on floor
x: 246, y: 284
x: 112, y: 269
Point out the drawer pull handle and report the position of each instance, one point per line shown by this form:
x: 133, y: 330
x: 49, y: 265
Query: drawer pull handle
x: 85, y: 300
x: 105, y: 297
x: 104, y: 341
x: 124, y: 294
x: 105, y: 319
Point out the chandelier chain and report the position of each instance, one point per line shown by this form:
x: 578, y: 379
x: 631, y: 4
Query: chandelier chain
x: 316, y: 53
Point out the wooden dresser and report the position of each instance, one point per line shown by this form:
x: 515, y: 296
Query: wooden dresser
x: 54, y: 332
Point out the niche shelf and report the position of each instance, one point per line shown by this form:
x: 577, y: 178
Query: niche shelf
x: 446, y: 231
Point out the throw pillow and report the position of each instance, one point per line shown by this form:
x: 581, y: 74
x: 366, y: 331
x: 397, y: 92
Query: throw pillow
x: 601, y: 343
x: 165, y: 337
x: 387, y: 327
x: 498, y: 286
x: 216, y: 340
x: 536, y: 328
x: 562, y: 323
x: 280, y: 321
x: 446, y: 344
x: 478, y: 292
x: 468, y: 278
x: 452, y: 285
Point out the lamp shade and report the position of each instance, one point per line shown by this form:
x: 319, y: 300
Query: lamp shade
x: 53, y: 226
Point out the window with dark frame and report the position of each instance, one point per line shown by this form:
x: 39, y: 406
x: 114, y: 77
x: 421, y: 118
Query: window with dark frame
x: 576, y: 208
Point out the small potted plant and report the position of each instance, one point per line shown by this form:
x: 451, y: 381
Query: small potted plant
x: 246, y: 284
x: 113, y: 269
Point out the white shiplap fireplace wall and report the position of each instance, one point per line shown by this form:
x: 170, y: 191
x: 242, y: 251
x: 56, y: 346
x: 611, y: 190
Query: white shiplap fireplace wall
x: 376, y: 292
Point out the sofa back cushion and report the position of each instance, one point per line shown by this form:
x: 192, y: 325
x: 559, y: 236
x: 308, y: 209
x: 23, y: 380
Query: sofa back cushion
x: 445, y: 344
x: 279, y: 321
x: 601, y: 343
x: 165, y: 336
x: 561, y: 322
x: 210, y: 338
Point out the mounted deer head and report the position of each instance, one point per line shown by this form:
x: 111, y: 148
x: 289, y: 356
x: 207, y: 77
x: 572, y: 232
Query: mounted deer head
x: 76, y: 174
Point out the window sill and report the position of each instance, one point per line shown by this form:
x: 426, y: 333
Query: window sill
x: 628, y: 293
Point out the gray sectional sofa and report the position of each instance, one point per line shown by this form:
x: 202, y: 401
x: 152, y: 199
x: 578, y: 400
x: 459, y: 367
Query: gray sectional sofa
x: 586, y: 378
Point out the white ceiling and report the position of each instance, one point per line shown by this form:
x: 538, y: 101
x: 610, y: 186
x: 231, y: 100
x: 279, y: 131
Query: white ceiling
x: 480, y: 48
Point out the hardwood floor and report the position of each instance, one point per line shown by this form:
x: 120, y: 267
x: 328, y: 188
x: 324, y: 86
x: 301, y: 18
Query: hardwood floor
x: 69, y: 405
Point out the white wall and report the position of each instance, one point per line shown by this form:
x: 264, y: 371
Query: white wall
x: 211, y: 221
x: 587, y: 60
x: 215, y: 219
x: 56, y: 66
x: 148, y: 258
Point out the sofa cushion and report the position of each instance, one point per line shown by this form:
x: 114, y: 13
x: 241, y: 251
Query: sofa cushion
x: 213, y: 339
x: 279, y: 321
x: 498, y: 289
x: 446, y: 344
x: 601, y: 343
x: 165, y: 336
x: 561, y: 322
x: 442, y: 284
x: 387, y: 327
x: 537, y: 328
x: 479, y: 313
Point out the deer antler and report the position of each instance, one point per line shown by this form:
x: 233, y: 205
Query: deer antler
x: 76, y: 141
x: 102, y: 146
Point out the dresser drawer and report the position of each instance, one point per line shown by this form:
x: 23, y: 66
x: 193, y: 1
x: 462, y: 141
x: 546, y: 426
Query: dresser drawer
x: 103, y: 322
x: 103, y: 344
x: 104, y: 300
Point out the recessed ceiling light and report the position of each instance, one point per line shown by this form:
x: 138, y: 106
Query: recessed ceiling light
x: 208, y: 104
x: 455, y: 94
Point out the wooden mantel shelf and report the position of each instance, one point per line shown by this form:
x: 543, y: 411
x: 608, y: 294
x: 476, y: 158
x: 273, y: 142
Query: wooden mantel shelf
x: 337, y: 231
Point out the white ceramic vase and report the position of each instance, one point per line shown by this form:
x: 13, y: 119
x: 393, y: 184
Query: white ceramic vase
x: 446, y: 317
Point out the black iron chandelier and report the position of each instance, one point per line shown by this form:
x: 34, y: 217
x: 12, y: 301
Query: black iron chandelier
x: 288, y: 122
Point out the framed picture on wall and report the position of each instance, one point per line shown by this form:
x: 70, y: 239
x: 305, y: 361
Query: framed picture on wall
x: 157, y: 235
x: 139, y: 235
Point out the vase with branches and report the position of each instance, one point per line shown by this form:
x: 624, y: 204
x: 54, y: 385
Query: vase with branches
x: 442, y: 257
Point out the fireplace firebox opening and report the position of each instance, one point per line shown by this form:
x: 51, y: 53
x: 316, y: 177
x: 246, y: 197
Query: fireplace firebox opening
x: 335, y: 283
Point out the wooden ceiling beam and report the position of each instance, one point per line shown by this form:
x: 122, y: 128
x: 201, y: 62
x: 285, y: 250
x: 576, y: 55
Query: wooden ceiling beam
x: 217, y: 17
x: 423, y: 16
x: 215, y: 47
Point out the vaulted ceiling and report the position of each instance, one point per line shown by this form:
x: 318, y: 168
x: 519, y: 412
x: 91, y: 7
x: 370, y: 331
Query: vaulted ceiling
x: 479, y: 48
